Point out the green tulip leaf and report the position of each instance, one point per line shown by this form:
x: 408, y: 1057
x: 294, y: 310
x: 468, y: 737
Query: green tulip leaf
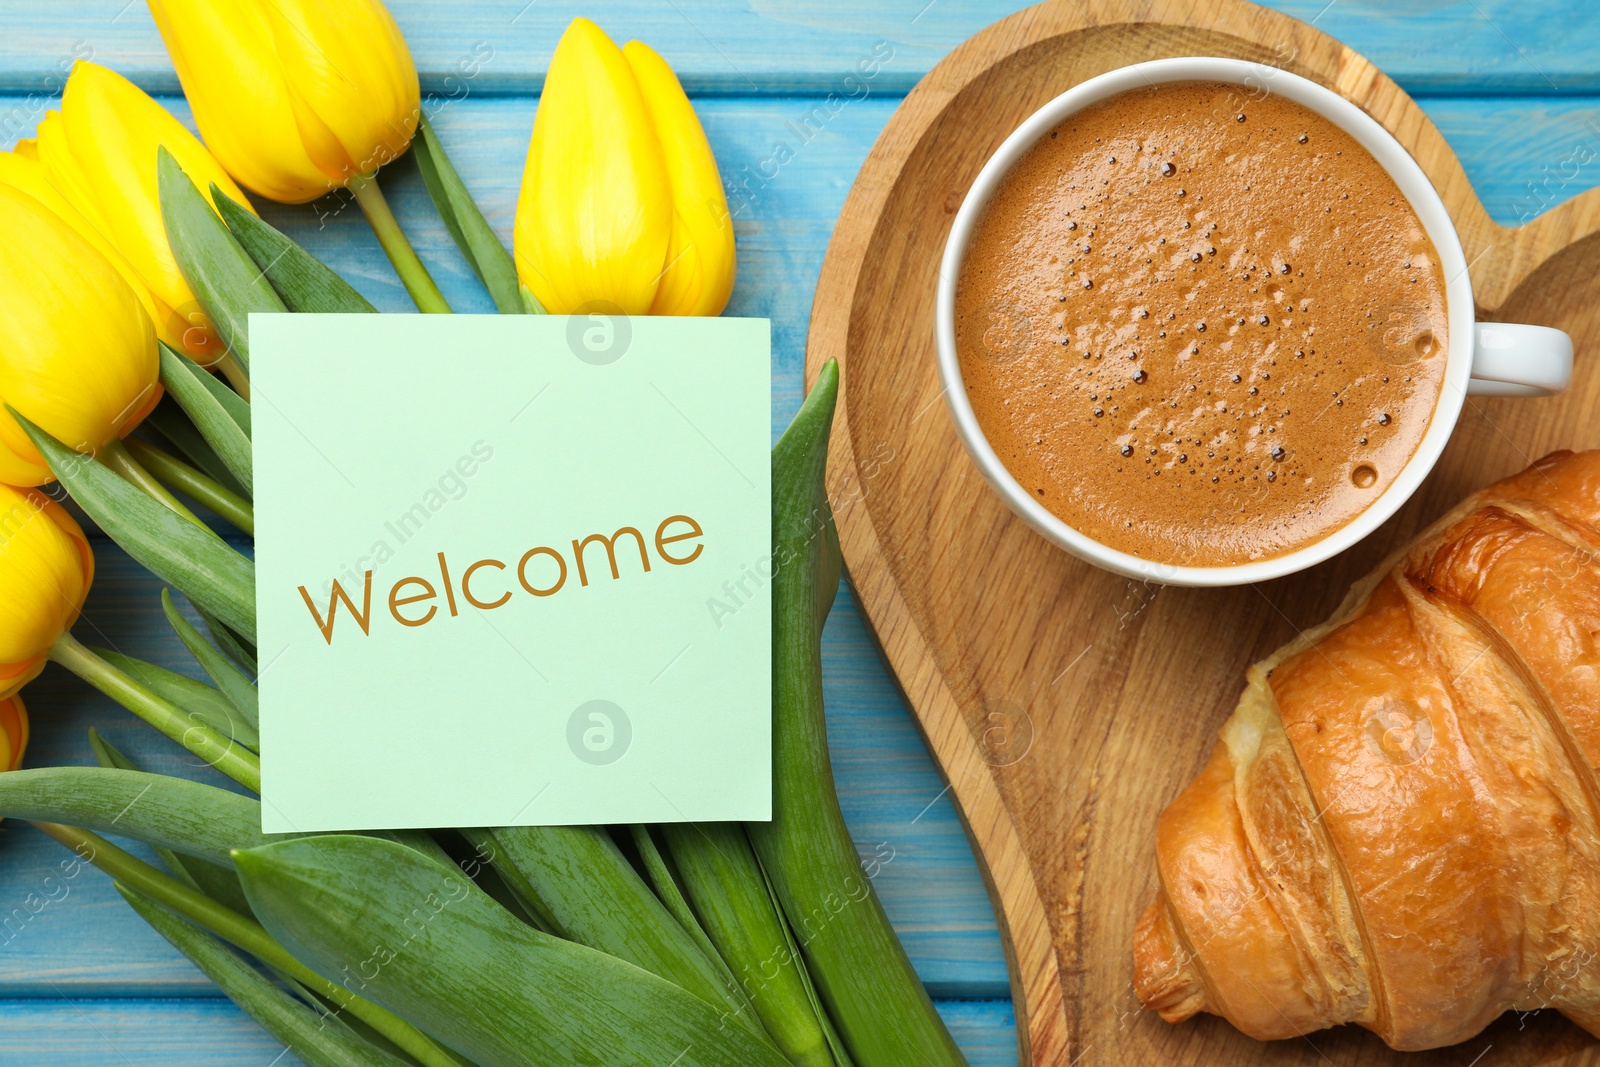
x: 206, y: 705
x: 244, y: 933
x: 180, y: 477
x: 233, y: 646
x: 158, y: 809
x: 225, y: 429
x: 215, y: 881
x: 239, y: 690
x: 299, y: 1027
x: 471, y: 231
x: 198, y: 562
x: 224, y: 278
x: 169, y: 420
x: 855, y: 960
x: 671, y: 895
x: 425, y: 942
x: 592, y: 895
x: 302, y: 280
x: 236, y: 406
x: 722, y: 878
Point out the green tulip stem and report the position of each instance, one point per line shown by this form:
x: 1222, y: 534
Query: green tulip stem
x: 243, y: 932
x: 194, y: 484
x: 234, y: 371
x: 418, y: 282
x: 234, y: 760
x: 115, y: 455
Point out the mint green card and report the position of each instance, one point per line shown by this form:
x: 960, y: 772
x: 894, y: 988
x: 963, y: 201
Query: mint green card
x: 512, y: 569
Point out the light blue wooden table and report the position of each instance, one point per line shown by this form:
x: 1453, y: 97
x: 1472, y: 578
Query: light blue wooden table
x: 1513, y: 84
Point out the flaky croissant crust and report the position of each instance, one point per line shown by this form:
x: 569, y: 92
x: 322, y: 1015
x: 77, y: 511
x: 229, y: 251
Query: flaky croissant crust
x: 1400, y: 826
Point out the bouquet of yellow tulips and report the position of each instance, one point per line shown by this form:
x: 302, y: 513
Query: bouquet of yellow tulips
x: 131, y: 263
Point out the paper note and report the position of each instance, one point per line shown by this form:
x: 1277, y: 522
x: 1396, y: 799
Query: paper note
x: 512, y: 570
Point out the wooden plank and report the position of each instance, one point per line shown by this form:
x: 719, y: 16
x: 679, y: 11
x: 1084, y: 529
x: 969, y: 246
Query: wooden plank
x: 1523, y: 155
x: 901, y: 815
x: 79, y: 1032
x: 136, y: 1033
x: 786, y: 46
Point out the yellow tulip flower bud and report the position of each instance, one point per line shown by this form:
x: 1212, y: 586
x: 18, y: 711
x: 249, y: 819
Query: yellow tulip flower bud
x: 99, y: 152
x: 77, y: 350
x: 46, y: 568
x: 21, y: 169
x: 295, y: 97
x: 622, y: 206
x: 594, y: 219
x: 13, y: 732
x: 698, y: 276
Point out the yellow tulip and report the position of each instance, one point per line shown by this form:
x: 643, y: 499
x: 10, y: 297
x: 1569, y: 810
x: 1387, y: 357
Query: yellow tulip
x: 700, y: 260
x: 99, y: 151
x: 621, y: 201
x: 77, y: 350
x: 20, y: 168
x: 13, y: 732
x: 46, y: 568
x: 295, y: 97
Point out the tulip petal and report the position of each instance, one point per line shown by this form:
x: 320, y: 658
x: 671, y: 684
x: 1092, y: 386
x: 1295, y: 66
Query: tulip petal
x: 102, y: 152
x: 698, y: 276
x: 351, y: 81
x: 228, y: 65
x: 77, y: 350
x: 14, y: 724
x: 26, y: 173
x: 46, y: 569
x: 295, y: 97
x: 594, y: 218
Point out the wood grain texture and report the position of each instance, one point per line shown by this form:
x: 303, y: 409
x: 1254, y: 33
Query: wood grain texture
x: 80, y: 1032
x: 774, y: 47
x: 1067, y: 705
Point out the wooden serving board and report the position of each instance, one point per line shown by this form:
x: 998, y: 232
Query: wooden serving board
x: 1066, y: 705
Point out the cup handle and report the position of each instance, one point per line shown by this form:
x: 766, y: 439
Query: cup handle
x: 1516, y: 360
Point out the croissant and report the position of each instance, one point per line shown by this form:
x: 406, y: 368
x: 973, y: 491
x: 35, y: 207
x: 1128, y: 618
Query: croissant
x: 1400, y: 824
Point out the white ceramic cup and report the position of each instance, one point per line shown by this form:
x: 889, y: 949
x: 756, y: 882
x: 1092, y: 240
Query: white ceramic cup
x: 1488, y: 359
